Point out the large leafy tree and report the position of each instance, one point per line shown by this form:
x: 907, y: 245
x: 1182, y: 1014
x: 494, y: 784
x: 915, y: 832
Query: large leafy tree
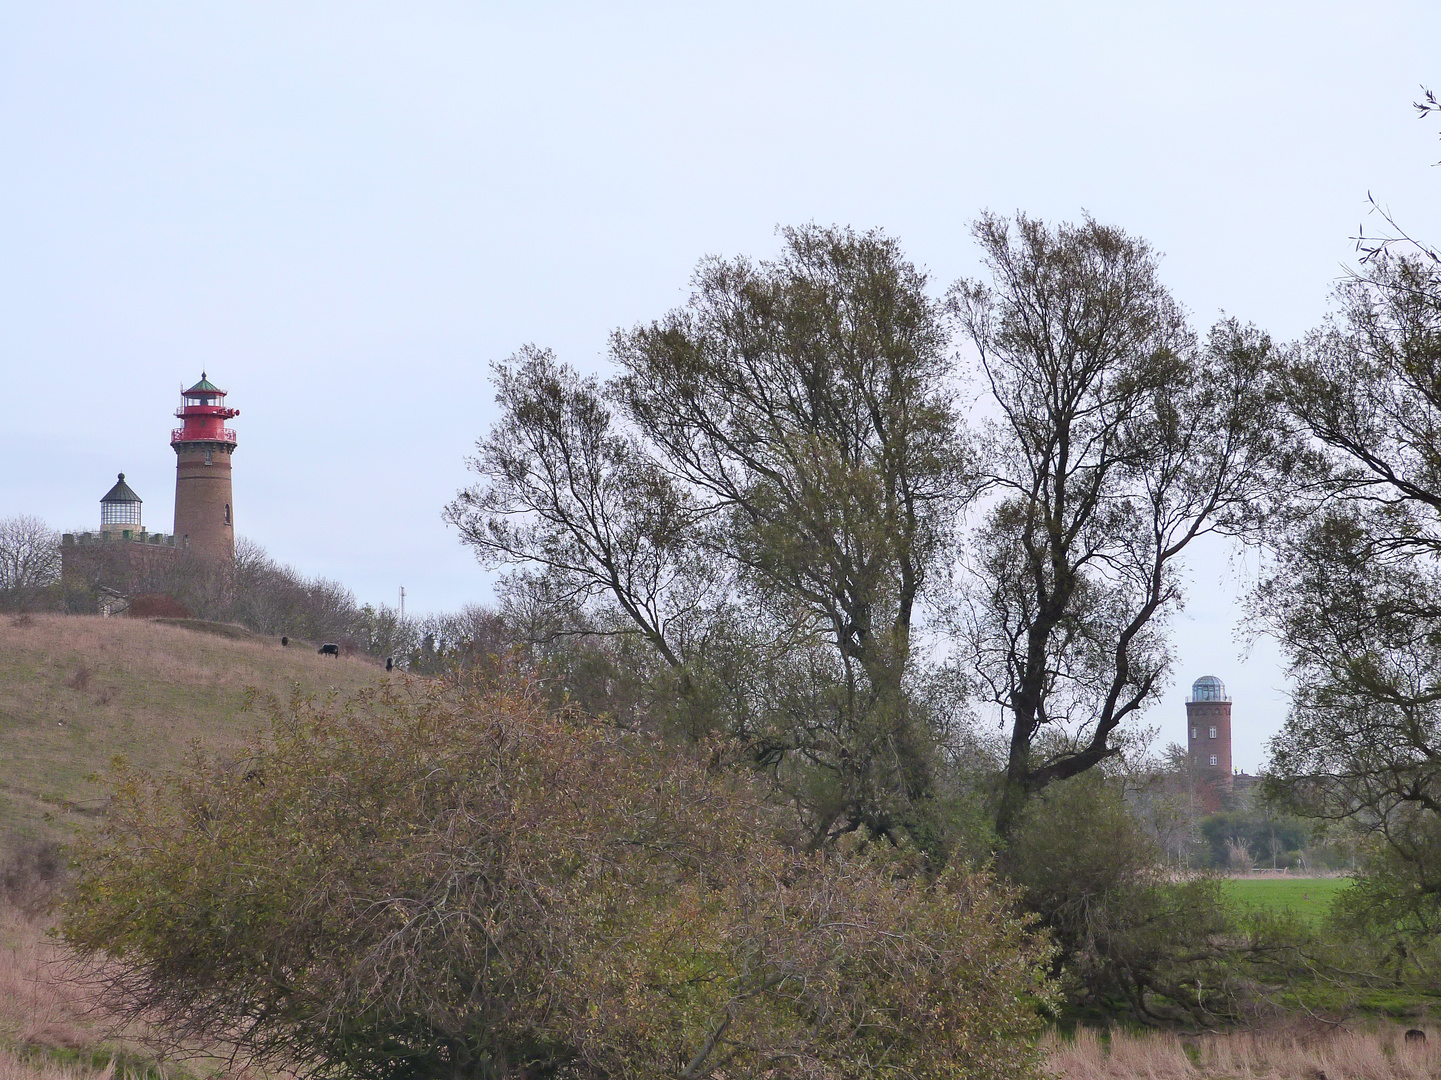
x: 764, y: 493
x: 571, y: 496
x: 1354, y: 593
x: 1119, y: 440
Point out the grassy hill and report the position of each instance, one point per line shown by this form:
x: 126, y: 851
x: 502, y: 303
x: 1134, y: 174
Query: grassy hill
x: 76, y: 691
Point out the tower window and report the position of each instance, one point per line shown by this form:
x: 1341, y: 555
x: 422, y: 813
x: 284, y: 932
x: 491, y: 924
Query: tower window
x: 1213, y: 735
x: 227, y: 513
x: 1195, y: 733
x: 1213, y: 759
x: 207, y: 457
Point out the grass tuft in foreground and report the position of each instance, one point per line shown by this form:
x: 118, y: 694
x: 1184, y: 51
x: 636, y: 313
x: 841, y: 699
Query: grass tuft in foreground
x: 1296, y: 1052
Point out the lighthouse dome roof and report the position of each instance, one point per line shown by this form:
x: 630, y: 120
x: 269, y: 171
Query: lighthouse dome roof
x: 205, y: 386
x: 121, y: 493
x: 1208, y: 688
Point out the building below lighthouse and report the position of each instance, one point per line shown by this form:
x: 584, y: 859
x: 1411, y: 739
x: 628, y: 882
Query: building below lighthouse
x: 1208, y: 722
x: 123, y: 557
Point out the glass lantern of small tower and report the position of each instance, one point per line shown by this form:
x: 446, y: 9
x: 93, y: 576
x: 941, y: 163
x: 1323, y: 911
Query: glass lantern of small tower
x: 120, y: 510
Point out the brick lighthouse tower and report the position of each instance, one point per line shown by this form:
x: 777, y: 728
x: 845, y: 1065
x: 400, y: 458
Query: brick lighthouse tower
x: 203, y: 516
x: 1208, y: 718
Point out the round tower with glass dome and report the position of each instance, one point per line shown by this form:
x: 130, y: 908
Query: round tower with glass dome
x: 1208, y: 720
x: 204, y: 518
x: 120, y: 510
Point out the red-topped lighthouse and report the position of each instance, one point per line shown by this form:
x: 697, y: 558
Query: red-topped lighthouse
x: 204, y: 519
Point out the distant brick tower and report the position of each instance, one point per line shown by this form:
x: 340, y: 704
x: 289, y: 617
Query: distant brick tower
x: 204, y: 518
x: 1208, y: 717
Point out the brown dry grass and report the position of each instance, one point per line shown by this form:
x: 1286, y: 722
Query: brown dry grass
x: 1293, y: 1053
x: 36, y: 1006
x: 76, y: 691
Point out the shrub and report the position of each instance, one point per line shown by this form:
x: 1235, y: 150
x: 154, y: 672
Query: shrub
x: 1131, y: 937
x: 32, y: 872
x: 404, y: 886
x: 156, y: 606
x: 1391, y: 914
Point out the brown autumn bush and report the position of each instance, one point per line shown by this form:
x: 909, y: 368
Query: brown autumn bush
x: 32, y: 872
x: 406, y: 885
x: 156, y: 606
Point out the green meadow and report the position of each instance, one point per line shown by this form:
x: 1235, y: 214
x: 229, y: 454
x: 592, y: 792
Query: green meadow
x: 1307, y: 897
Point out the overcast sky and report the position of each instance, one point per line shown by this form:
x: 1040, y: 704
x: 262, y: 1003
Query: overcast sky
x: 345, y: 212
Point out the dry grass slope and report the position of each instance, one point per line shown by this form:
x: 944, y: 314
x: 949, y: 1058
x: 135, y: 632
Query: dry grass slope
x: 77, y: 691
x: 37, y: 1007
x: 1294, y: 1053
x: 52, y: 1029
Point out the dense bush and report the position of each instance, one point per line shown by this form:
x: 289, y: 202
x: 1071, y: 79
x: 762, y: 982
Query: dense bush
x: 1132, y: 938
x: 406, y: 886
x: 1391, y: 914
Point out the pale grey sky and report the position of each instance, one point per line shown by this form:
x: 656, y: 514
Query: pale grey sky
x: 345, y: 211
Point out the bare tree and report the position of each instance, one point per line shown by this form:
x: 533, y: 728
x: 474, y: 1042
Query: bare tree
x: 1239, y: 855
x: 29, y: 559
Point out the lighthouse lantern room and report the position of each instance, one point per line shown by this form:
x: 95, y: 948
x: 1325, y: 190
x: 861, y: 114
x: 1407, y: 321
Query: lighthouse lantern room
x: 120, y: 509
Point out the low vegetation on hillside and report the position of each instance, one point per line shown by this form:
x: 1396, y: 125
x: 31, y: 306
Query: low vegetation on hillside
x: 410, y: 885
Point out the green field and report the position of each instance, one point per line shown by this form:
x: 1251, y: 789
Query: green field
x: 1308, y: 897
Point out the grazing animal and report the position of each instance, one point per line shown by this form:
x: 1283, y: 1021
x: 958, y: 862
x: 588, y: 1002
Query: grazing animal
x: 389, y: 663
x: 284, y: 641
x: 329, y: 649
x: 1415, y: 1035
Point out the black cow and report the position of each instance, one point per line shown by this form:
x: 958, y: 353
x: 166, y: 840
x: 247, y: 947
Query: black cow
x: 284, y: 641
x: 389, y: 663
x: 329, y: 649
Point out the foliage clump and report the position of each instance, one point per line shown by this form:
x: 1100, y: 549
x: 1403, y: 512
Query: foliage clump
x: 1131, y: 937
x: 406, y: 885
